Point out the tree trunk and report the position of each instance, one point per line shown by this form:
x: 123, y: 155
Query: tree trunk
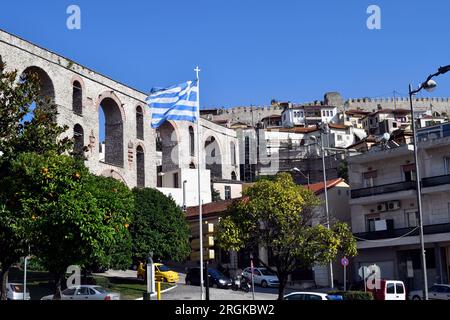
x: 282, y: 277
x: 5, y: 272
x: 58, y: 281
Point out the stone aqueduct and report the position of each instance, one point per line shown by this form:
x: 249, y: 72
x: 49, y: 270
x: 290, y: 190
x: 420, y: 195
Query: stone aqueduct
x: 129, y: 152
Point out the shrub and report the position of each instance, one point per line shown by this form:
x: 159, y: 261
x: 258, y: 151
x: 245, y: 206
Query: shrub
x: 353, y: 295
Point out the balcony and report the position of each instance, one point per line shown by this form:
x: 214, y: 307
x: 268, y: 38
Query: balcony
x: 396, y: 233
x: 387, y: 188
x: 435, y: 181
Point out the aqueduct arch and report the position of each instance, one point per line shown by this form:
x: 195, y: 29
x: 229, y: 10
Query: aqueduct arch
x: 113, y: 140
x: 213, y: 156
x: 47, y: 89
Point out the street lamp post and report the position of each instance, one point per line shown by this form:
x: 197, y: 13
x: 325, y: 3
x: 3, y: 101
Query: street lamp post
x: 304, y: 175
x: 428, y: 85
x: 325, y: 129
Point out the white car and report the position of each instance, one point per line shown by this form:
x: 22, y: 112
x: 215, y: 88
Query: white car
x: 85, y: 292
x: 14, y: 291
x: 261, y: 276
x: 435, y: 292
x: 310, y: 296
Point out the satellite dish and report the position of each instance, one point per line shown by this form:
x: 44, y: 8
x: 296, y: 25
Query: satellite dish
x: 386, y: 136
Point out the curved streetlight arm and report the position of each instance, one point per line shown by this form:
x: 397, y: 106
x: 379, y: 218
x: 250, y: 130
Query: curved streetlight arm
x: 441, y: 70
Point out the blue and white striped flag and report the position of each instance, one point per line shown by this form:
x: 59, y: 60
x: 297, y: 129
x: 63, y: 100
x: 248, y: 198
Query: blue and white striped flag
x: 177, y: 103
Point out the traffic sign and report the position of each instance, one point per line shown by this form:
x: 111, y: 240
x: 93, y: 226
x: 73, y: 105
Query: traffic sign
x: 344, y: 261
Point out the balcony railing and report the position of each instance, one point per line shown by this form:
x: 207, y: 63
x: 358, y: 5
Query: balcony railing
x: 396, y: 233
x: 435, y: 181
x: 386, y: 188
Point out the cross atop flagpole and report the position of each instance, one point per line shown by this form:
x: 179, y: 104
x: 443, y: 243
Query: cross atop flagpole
x: 200, y: 209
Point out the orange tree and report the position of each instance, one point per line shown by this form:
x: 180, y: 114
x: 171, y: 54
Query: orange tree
x: 39, y: 134
x: 71, y: 218
x: 280, y: 215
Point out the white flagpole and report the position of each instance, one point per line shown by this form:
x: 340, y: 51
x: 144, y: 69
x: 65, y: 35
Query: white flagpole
x: 200, y: 209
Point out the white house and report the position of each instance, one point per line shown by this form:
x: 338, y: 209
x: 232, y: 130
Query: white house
x: 384, y: 213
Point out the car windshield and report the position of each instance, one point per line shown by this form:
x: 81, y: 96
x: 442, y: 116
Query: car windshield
x: 100, y: 289
x: 163, y: 268
x: 215, y: 273
x: 266, y: 272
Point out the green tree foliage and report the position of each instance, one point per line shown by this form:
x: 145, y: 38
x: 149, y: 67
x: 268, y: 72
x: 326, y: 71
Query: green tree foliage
x: 69, y: 219
x: 116, y: 201
x: 160, y: 226
x: 280, y: 215
x: 40, y: 134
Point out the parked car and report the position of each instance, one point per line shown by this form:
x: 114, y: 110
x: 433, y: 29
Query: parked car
x: 389, y: 290
x: 216, y: 278
x: 14, y: 291
x: 311, y: 296
x: 162, y: 273
x: 86, y: 292
x: 435, y: 292
x: 262, y: 276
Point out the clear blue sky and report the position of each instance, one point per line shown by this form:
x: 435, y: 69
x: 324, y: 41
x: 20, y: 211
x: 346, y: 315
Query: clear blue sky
x: 250, y: 51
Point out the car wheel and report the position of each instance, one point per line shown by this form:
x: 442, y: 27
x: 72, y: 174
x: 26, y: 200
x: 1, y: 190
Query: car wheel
x: 164, y: 279
x: 264, y: 284
x: 416, y: 298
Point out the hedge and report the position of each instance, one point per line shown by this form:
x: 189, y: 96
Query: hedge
x: 353, y: 295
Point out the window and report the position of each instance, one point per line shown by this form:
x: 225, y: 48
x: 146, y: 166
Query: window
x: 409, y: 172
x: 78, y: 135
x: 370, y: 222
x: 339, y: 137
x: 191, y: 141
x: 399, y: 288
x: 233, y: 153
x: 139, y: 123
x: 159, y: 182
x: 69, y: 292
x: 140, y: 167
x: 369, y: 178
x: 233, y: 176
x: 227, y: 192
x: 312, y: 297
x: 91, y: 292
x: 83, y: 291
x: 175, y: 180
x: 390, y: 288
x: 77, y: 98
x: 447, y: 165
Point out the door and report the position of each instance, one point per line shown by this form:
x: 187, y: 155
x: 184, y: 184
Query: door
x: 445, y: 293
x: 433, y: 293
x: 257, y: 276
x: 390, y: 291
x: 400, y: 291
x: 69, y: 294
x: 82, y: 294
x: 158, y: 275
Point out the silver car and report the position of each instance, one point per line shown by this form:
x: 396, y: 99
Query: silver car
x: 435, y: 292
x: 86, y: 292
x: 14, y: 291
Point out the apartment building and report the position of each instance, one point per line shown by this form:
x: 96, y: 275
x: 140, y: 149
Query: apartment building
x: 384, y: 215
x: 309, y: 115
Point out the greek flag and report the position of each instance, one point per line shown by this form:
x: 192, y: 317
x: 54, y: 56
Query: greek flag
x: 177, y: 103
